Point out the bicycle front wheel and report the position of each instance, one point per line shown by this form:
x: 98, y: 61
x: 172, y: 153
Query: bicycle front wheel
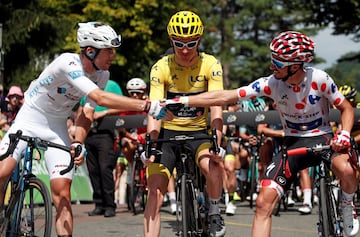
x: 33, y: 211
x: 188, y: 208
x: 325, y: 217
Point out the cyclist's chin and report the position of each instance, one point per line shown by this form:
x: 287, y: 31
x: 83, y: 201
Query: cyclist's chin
x: 105, y: 67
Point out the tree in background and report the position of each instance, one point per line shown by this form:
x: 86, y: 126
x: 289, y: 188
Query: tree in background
x: 238, y: 32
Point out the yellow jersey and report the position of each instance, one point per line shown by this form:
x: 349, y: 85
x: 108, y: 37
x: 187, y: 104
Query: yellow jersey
x: 170, y: 80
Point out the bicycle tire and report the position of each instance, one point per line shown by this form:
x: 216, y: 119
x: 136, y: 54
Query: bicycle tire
x: 33, y: 210
x: 325, y: 220
x: 252, y: 181
x: 188, y: 208
x: 138, y: 189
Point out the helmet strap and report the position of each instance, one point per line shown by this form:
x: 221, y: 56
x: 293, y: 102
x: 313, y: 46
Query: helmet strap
x: 92, y: 56
x: 289, y: 74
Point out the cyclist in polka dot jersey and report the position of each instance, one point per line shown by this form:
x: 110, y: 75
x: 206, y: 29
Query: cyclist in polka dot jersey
x: 303, y: 96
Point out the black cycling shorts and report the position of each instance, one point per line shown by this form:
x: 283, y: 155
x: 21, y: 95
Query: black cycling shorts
x: 275, y: 170
x: 166, y: 162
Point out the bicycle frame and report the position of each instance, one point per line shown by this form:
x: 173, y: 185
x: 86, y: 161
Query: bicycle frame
x: 330, y: 220
x: 18, y: 180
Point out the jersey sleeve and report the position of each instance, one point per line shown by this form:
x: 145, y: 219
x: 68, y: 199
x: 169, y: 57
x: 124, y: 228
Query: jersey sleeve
x: 157, y: 82
x: 215, y: 81
x: 260, y: 87
x: 328, y: 87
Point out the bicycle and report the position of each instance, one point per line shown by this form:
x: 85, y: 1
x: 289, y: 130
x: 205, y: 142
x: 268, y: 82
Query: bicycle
x: 330, y: 218
x: 137, y: 184
x: 253, y: 171
x: 28, y: 209
x: 191, y: 197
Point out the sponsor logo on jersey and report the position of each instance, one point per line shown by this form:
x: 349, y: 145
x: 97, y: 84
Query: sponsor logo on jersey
x: 76, y: 74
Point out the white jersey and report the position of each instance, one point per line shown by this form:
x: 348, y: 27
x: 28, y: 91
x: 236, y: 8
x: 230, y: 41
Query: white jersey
x: 62, y: 84
x: 304, y: 109
x: 49, y: 101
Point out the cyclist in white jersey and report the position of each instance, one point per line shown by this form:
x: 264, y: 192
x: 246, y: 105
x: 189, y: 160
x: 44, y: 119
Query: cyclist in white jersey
x: 49, y: 101
x: 303, y: 96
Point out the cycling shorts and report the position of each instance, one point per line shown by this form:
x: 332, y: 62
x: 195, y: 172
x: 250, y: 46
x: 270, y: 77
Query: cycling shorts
x: 165, y: 163
x: 230, y: 154
x: 275, y: 170
x: 35, y: 123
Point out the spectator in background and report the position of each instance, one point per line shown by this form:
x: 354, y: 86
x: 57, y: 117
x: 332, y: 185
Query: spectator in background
x: 10, y: 107
x: 101, y: 157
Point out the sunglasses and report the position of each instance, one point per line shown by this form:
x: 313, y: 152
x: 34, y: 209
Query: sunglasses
x: 116, y: 42
x: 136, y: 93
x: 280, y: 64
x: 181, y: 45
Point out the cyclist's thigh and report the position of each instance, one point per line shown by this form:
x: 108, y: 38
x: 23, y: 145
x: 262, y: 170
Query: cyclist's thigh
x: 164, y: 164
x: 56, y: 159
x: 294, y: 164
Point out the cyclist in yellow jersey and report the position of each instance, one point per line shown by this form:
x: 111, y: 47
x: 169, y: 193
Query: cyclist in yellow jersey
x: 350, y: 94
x: 185, y: 72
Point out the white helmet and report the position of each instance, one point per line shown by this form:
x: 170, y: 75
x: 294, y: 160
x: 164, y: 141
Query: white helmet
x: 136, y: 85
x: 97, y: 35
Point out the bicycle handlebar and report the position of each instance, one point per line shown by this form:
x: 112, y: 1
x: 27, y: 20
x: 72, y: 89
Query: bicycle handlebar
x: 37, y: 142
x: 183, y: 138
x: 306, y: 150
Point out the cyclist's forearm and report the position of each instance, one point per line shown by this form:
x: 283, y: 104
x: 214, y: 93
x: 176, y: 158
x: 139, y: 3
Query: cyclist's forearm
x: 82, y: 127
x: 153, y: 127
x: 212, y: 98
x: 273, y: 133
x: 217, y: 121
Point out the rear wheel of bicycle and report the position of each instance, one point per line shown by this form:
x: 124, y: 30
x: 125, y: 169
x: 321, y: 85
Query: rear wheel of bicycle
x: 325, y: 217
x: 33, y: 212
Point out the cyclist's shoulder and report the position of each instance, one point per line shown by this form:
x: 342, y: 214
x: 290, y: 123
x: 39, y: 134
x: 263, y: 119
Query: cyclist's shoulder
x: 316, y: 74
x: 208, y: 58
x: 164, y: 61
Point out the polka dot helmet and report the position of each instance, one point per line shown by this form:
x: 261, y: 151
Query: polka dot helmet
x: 292, y: 46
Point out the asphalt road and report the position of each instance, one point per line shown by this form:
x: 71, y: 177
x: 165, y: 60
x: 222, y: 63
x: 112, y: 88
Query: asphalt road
x: 289, y: 223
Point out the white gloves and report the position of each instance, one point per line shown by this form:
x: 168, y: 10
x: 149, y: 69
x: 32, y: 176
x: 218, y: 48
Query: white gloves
x: 156, y: 111
x: 343, y: 138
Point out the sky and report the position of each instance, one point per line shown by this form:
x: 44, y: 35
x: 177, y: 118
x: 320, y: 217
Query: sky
x: 331, y: 47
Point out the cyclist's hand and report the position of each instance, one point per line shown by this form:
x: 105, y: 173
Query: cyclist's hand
x: 218, y: 157
x: 78, y: 152
x: 146, y: 160
x: 156, y: 110
x: 341, y: 141
x: 174, y: 104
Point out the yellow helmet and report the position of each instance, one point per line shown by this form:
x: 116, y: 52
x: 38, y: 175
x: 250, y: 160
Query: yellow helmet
x: 185, y: 24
